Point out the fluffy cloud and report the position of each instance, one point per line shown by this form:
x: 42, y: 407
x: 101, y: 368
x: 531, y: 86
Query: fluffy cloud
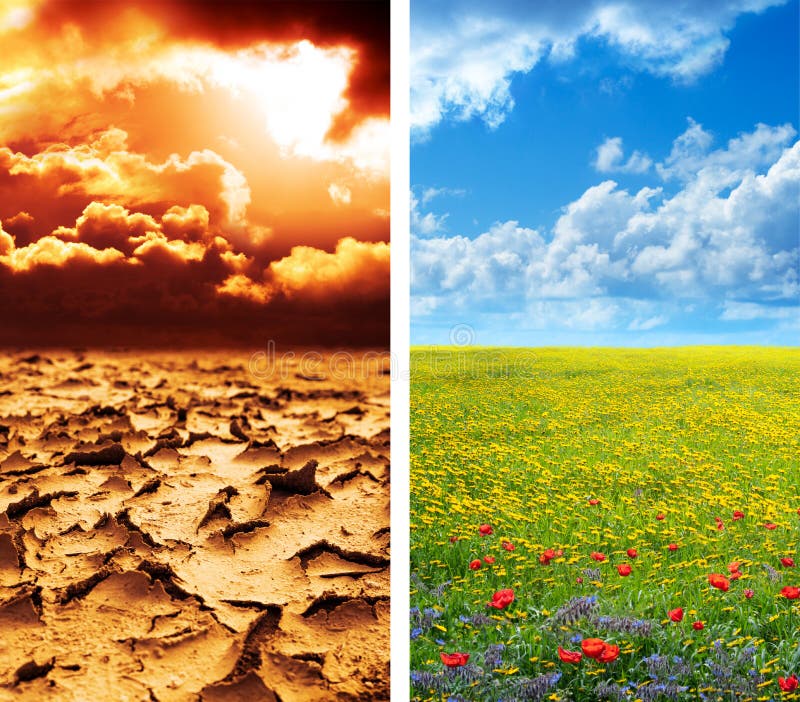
x: 463, y: 58
x: 691, y: 151
x: 355, y: 270
x: 610, y: 158
x: 486, y: 268
x: 729, y: 232
x: 428, y: 223
x: 467, y: 72
x: 424, y: 223
x: 52, y: 251
x: 109, y: 233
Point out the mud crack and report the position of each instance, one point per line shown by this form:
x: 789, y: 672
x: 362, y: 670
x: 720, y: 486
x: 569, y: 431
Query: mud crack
x: 32, y: 670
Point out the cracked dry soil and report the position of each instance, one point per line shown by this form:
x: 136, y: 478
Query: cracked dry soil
x: 172, y: 528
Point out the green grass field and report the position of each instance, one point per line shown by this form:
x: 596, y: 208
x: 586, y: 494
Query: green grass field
x: 571, y: 457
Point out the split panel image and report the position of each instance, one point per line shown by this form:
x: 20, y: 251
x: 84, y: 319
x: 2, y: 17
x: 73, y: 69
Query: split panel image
x: 605, y: 376
x: 194, y: 401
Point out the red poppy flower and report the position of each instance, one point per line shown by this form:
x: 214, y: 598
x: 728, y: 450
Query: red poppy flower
x: 676, y: 614
x: 597, y: 556
x: 454, y: 660
x: 787, y: 562
x: 508, y: 546
x: 610, y: 653
x: 632, y: 553
x: 698, y: 626
x: 624, y: 570
x: 453, y: 539
x: 789, y: 684
x: 475, y: 565
x: 737, y: 515
x: 771, y: 526
x: 569, y: 656
x: 488, y: 560
x: 579, y: 580
x: 485, y: 529
x: 733, y: 567
x: 502, y: 598
x: 660, y: 517
x: 719, y: 581
x: 791, y: 593
x: 548, y: 555
x: 592, y: 648
x: 594, y: 501
x: 673, y: 547
x: 736, y: 575
x: 720, y: 525
x: 748, y: 593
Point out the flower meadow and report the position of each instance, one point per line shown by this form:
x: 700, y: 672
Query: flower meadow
x: 605, y: 524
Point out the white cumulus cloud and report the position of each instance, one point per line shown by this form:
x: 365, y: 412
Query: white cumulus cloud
x: 610, y: 158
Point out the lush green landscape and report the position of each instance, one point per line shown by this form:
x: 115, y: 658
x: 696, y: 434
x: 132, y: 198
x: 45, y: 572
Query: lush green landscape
x: 536, y: 470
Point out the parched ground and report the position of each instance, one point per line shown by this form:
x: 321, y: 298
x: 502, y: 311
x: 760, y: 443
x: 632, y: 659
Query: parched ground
x: 174, y: 528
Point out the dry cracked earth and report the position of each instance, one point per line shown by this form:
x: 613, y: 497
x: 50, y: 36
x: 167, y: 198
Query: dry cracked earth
x: 174, y: 528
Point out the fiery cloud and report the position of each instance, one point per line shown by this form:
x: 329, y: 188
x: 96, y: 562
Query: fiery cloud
x: 205, y: 174
x: 355, y: 270
x: 104, y: 167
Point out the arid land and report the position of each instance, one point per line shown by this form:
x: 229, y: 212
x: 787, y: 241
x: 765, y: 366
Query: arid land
x: 179, y: 527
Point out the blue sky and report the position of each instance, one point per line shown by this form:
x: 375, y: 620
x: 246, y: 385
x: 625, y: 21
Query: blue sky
x: 602, y: 173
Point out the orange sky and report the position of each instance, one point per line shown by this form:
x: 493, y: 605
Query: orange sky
x: 182, y: 173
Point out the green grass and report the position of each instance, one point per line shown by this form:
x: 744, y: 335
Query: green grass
x: 522, y: 439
